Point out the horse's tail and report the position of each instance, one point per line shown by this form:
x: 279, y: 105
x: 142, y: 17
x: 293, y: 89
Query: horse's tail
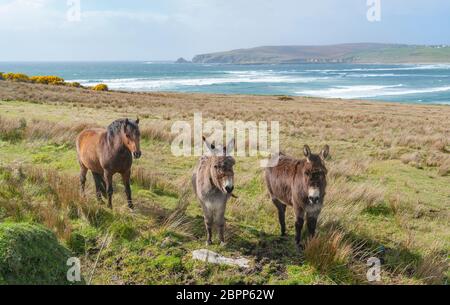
x: 99, y: 183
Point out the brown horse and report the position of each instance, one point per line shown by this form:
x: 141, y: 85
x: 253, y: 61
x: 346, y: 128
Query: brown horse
x: 300, y: 184
x: 108, y: 151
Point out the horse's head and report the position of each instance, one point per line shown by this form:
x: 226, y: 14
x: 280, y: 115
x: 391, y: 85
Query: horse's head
x: 131, y: 137
x: 314, y: 175
x: 221, y: 169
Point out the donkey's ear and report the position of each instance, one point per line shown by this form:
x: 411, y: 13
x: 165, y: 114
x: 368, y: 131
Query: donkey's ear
x: 211, y: 146
x: 230, y: 147
x: 325, y: 152
x: 307, y: 151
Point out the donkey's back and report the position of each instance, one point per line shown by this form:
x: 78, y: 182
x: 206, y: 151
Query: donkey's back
x: 280, y: 178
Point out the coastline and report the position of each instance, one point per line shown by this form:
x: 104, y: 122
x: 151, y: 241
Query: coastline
x: 7, y: 85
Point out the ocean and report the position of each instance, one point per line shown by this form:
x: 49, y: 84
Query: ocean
x: 428, y: 84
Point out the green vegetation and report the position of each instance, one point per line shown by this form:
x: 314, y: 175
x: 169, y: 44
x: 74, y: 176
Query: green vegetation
x: 382, y: 200
x: 349, y: 53
x: 31, y: 254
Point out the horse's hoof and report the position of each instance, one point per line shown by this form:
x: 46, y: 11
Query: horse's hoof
x: 208, y: 243
x: 223, y: 244
x: 131, y: 206
x: 300, y: 248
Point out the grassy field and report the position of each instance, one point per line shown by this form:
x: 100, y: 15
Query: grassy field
x: 388, y: 194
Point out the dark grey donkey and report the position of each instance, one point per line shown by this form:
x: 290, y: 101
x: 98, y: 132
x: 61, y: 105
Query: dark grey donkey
x: 213, y: 183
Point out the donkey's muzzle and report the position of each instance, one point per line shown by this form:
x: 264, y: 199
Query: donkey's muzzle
x: 137, y: 154
x: 229, y: 189
x: 313, y: 200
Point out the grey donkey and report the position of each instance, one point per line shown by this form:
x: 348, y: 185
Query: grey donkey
x: 213, y: 183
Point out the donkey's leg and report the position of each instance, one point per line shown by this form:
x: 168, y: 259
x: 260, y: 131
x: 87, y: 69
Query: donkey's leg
x: 299, y: 220
x: 126, y: 183
x: 220, y: 220
x: 109, y: 187
x: 209, y: 222
x: 281, y: 215
x: 83, y: 172
x: 208, y: 226
x: 311, y: 222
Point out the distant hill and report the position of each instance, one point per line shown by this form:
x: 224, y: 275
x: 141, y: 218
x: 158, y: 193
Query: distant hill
x: 339, y: 53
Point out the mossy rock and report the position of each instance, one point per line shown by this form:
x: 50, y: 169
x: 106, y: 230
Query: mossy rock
x: 31, y: 254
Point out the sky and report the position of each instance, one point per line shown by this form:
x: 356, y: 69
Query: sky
x: 40, y: 30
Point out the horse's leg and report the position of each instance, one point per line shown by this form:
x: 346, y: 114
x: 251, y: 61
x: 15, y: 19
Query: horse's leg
x: 109, y: 187
x: 83, y: 172
x: 126, y: 182
x: 99, y: 186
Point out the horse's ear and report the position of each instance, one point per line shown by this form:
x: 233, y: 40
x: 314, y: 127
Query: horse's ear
x: 137, y: 121
x: 325, y: 152
x: 307, y: 151
x: 126, y: 121
x: 211, y: 146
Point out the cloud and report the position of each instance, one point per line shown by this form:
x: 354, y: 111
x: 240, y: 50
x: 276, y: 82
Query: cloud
x: 22, y: 15
x: 136, y: 29
x: 144, y: 17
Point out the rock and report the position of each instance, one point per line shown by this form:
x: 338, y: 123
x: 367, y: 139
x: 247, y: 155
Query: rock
x: 215, y: 258
x: 181, y: 60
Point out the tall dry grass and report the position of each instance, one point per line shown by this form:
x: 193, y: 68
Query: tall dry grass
x: 328, y: 250
x: 14, y: 130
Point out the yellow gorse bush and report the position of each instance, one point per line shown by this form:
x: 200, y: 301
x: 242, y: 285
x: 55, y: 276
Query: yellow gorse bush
x: 100, y: 87
x: 17, y: 77
x: 48, y: 80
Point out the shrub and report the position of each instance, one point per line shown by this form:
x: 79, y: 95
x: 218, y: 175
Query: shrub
x: 16, y: 77
x: 48, y: 80
x: 100, y: 87
x: 1, y: 75
x: 285, y: 98
x: 31, y: 254
x: 74, y: 84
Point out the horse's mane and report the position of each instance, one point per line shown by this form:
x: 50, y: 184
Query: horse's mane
x: 115, y: 127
